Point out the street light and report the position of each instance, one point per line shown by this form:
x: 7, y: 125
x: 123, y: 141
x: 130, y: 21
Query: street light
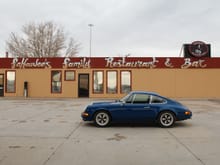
x: 90, y: 40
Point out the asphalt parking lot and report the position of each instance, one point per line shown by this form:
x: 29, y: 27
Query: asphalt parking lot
x: 51, y: 132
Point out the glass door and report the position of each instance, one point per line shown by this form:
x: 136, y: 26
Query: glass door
x: 83, y: 85
x: 1, y: 85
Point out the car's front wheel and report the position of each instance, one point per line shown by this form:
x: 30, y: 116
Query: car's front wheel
x: 166, y: 119
x: 102, y: 119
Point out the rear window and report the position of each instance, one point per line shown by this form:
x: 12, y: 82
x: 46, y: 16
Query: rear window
x: 157, y: 100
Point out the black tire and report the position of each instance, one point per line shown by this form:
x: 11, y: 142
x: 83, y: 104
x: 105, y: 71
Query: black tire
x: 102, y: 119
x: 166, y: 119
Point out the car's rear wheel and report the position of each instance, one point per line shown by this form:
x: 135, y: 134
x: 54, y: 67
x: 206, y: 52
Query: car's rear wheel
x: 166, y: 119
x: 102, y: 119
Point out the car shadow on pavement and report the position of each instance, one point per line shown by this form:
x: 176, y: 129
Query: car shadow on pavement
x: 148, y: 124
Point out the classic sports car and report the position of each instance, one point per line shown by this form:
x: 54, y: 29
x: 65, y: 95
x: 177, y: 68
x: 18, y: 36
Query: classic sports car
x: 137, y: 106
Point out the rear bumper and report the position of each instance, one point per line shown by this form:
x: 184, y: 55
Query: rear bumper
x: 184, y: 117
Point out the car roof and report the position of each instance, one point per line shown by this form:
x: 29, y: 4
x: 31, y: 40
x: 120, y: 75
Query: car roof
x: 145, y: 92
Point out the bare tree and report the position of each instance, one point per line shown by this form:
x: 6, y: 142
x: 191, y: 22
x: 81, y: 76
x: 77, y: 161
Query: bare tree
x: 72, y: 48
x: 42, y: 40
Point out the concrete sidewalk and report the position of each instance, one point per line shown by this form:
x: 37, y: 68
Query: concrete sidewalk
x: 51, y: 132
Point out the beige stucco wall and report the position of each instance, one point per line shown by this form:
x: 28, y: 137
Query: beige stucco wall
x: 187, y: 83
x: 198, y: 83
x: 178, y: 83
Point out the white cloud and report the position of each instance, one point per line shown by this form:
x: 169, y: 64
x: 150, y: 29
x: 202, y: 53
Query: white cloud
x: 139, y: 27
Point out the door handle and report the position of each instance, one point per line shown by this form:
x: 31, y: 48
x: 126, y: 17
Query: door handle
x: 146, y: 107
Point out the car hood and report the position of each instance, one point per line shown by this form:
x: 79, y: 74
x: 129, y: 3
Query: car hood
x: 105, y: 103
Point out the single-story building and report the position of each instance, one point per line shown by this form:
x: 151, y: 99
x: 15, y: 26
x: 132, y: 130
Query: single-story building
x: 109, y: 77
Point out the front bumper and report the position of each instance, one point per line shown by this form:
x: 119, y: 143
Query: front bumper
x: 86, y: 116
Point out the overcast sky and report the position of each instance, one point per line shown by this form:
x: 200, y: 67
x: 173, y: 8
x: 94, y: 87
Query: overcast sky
x: 137, y: 27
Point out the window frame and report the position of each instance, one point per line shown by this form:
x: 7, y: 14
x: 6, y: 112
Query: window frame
x: 65, y: 77
x: 121, y: 81
x: 6, y: 82
x: 116, y: 91
x: 51, y: 82
x: 93, y: 73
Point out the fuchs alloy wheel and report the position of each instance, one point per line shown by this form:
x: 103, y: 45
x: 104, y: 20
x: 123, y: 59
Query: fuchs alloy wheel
x: 166, y: 119
x: 102, y: 119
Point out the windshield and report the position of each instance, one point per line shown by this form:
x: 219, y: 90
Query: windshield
x: 124, y: 99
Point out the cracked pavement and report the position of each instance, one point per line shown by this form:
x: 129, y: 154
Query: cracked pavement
x: 51, y: 132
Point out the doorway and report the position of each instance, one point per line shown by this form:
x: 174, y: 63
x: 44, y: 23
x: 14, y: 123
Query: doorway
x: 1, y: 85
x: 83, y: 85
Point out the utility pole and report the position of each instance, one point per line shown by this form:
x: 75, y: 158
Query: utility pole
x: 90, y: 40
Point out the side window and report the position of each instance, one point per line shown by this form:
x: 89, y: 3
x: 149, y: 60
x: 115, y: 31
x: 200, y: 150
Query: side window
x: 141, y: 99
x: 10, y: 81
x: 98, y: 82
x: 157, y: 100
x: 56, y: 81
x: 112, y: 82
x: 125, y: 81
x: 69, y: 75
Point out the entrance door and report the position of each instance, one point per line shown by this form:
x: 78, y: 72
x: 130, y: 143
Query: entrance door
x: 1, y: 85
x: 83, y: 85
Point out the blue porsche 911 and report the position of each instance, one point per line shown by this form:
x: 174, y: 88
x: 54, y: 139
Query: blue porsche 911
x: 137, y: 106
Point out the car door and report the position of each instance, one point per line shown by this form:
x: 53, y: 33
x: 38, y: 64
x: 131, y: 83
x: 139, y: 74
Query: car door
x: 139, y: 109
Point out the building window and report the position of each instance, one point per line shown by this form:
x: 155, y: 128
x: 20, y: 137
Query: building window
x: 69, y: 75
x: 56, y: 81
x: 111, y: 81
x: 10, y: 83
x: 125, y: 81
x: 98, y: 81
